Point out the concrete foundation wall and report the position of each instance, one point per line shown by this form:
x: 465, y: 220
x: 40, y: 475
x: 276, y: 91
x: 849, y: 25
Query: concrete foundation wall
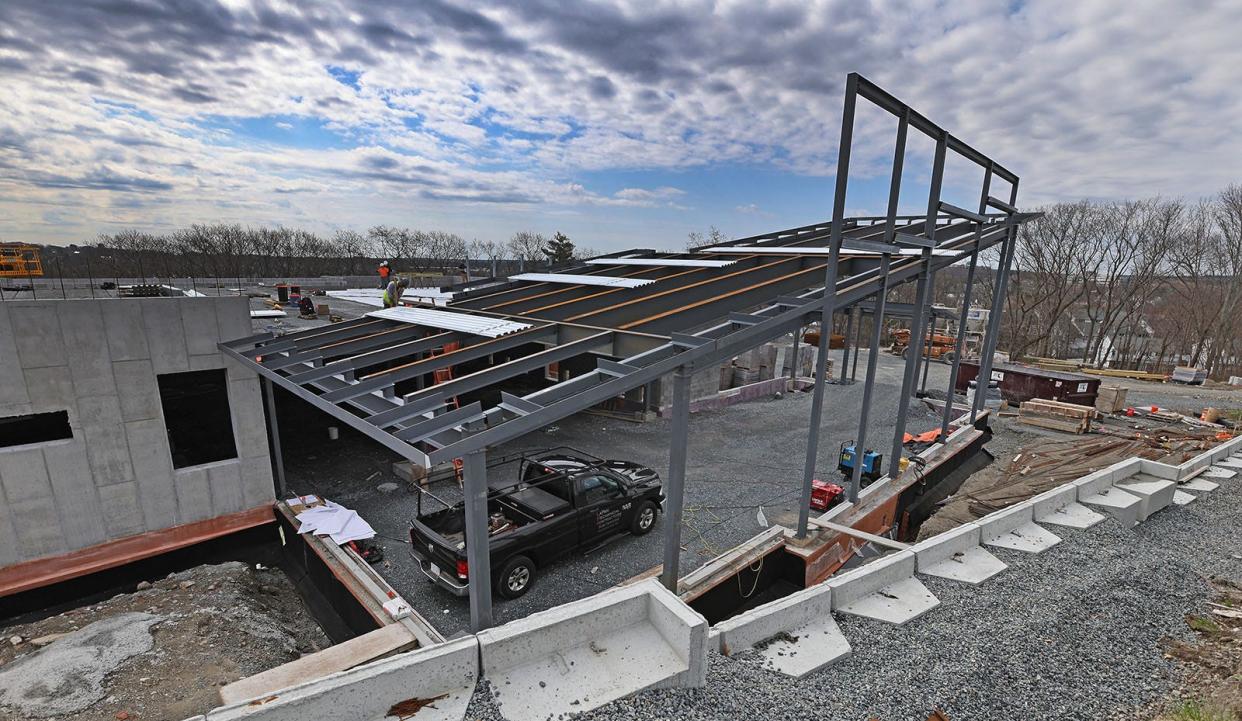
x: 98, y: 360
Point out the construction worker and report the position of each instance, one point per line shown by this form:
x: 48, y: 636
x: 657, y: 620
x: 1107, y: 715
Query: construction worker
x: 384, y: 272
x: 392, y: 293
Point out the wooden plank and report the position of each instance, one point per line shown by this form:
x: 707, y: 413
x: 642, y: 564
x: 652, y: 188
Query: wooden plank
x: 377, y: 644
x: 877, y: 540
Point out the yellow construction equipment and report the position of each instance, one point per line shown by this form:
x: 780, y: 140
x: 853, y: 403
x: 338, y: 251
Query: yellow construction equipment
x: 20, y: 260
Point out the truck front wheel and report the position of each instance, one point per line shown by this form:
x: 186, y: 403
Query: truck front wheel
x: 644, y: 519
x: 515, y: 577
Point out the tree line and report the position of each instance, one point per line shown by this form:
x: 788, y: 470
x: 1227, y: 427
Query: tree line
x: 221, y: 250
x: 1141, y: 284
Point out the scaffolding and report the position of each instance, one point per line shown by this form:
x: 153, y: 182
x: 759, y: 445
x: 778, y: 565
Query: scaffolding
x: 20, y: 260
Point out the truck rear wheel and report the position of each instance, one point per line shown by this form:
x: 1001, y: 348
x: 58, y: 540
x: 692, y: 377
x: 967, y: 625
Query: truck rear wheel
x: 644, y: 519
x: 515, y: 577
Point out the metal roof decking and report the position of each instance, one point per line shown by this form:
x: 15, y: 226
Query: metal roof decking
x: 800, y: 250
x: 571, y: 279
x: 488, y: 326
x: 671, y: 262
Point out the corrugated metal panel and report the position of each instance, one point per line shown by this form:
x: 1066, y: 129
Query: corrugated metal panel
x: 687, y: 262
x: 605, y: 280
x: 446, y: 320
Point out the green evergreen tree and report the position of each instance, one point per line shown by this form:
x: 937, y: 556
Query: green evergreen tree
x: 560, y: 249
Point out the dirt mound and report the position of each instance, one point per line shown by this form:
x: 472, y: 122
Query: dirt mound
x: 216, y: 624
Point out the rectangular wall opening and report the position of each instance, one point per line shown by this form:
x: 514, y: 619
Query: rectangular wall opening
x: 197, y: 416
x: 34, y: 428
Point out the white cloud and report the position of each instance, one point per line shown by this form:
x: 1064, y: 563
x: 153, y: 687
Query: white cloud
x: 114, y: 118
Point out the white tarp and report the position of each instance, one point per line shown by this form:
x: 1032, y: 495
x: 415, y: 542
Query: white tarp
x: 483, y: 325
x: 339, y: 523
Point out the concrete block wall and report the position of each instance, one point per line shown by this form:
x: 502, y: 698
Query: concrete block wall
x: 98, y: 360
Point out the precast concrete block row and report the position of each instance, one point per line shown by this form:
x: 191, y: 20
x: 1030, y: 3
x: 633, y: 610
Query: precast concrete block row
x: 571, y: 658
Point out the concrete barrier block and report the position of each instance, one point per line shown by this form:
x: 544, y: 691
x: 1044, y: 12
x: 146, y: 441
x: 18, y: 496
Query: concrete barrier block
x: 1060, y: 507
x: 581, y: 655
x: 957, y: 556
x: 436, y: 682
x: 795, y: 635
x: 1182, y: 498
x: 1093, y: 483
x: 1230, y: 462
x: 1158, y: 470
x: 1154, y: 494
x: 1014, y: 528
x: 1116, y: 503
x: 885, y: 590
x: 1221, y: 473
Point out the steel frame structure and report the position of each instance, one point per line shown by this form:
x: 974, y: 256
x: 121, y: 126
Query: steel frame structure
x: 686, y: 318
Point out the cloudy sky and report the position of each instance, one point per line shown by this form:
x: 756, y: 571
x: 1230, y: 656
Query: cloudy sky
x: 623, y: 123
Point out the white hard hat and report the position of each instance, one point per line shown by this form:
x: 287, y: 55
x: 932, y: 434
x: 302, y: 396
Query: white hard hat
x: 383, y: 262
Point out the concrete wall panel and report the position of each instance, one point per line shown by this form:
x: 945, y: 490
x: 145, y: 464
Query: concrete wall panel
x: 87, y: 354
x: 24, y: 474
x: 165, y: 335
x: 38, y: 527
x: 37, y: 332
x: 226, y: 487
x: 202, y: 328
x: 148, y: 446
x: 126, y: 331
x: 106, y: 442
x: 140, y: 394
x: 98, y: 360
x: 193, y: 494
x: 52, y: 389
x: 10, y: 393
x: 122, y: 511
x: 76, y: 500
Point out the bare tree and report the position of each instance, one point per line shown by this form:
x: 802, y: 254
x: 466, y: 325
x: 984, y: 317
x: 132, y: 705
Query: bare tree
x: 527, y: 246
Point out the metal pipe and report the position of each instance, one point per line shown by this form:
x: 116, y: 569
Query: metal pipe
x: 959, y: 344
x: 675, y: 485
x: 278, y: 458
x: 478, y: 545
x: 877, y: 325
x: 829, y: 301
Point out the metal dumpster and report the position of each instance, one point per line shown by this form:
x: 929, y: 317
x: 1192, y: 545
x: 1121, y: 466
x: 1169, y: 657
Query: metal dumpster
x: 1022, y: 383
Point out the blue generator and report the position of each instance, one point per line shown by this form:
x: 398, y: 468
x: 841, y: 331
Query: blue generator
x: 871, y: 462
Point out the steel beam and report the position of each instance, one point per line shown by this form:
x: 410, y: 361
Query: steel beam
x: 999, y: 289
x: 278, y: 458
x: 845, y: 343
x: 478, y: 546
x: 959, y: 345
x: 375, y: 357
x: 828, y: 301
x: 864, y: 416
x: 675, y: 484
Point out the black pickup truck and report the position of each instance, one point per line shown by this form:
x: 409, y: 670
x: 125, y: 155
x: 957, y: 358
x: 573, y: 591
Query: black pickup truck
x: 563, y: 501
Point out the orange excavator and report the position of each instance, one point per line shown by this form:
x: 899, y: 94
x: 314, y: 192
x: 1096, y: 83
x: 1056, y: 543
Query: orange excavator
x: 943, y: 347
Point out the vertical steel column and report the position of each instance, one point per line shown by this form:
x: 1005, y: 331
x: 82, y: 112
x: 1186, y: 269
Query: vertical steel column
x: 959, y: 343
x: 478, y: 546
x: 845, y: 344
x: 793, y: 360
x: 994, y: 314
x: 270, y: 401
x: 858, y: 329
x: 922, y: 295
x: 877, y: 325
x: 830, y: 297
x: 675, y: 484
x: 931, y: 330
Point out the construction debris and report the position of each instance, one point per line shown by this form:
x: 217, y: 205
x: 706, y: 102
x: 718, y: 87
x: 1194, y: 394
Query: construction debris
x: 1069, y: 417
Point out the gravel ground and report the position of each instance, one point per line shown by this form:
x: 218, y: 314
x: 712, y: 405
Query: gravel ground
x: 1073, y: 633
x: 741, y: 458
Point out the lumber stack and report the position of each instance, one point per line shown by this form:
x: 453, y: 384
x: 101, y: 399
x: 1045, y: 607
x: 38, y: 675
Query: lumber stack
x: 1068, y: 417
x: 1110, y: 399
